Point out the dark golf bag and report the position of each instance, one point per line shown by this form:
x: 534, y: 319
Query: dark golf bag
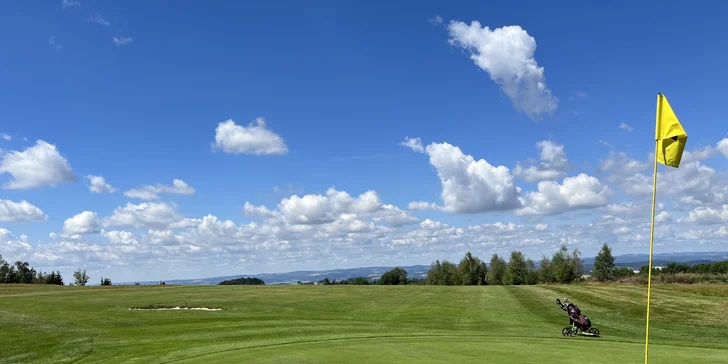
x: 575, y: 316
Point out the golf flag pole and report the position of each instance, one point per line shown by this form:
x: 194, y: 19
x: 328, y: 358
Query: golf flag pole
x: 652, y: 233
x: 670, y: 139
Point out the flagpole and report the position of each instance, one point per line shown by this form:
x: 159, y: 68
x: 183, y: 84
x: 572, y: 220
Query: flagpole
x: 652, y: 230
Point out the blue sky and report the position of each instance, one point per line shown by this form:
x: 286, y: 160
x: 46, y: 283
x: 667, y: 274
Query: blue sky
x: 136, y: 94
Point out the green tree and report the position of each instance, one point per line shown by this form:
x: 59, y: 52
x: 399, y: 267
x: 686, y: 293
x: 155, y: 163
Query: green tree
x: 496, y: 271
x: 395, y: 276
x: 443, y: 274
x: 546, y: 271
x: 604, y: 265
x: 567, y: 267
x: 80, y: 278
x: 105, y: 281
x: 532, y: 276
x: 24, y: 272
x: 620, y: 273
x: 434, y: 275
x: 517, y: 270
x: 471, y: 271
x: 6, y: 274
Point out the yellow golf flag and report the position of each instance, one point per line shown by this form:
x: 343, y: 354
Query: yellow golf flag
x: 670, y: 135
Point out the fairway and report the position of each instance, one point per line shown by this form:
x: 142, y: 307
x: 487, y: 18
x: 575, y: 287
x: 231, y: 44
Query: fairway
x: 373, y: 324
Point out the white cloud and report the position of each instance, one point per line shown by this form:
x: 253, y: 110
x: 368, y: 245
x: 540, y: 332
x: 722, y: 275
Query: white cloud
x: 120, y: 237
x: 319, y: 209
x: 541, y: 227
x: 581, y: 94
x: 21, y: 211
x: 707, y: 215
x: 255, y: 139
x: 6, y: 136
x: 625, y: 127
x: 84, y: 223
x: 98, y: 19
x: 99, y: 185
x: 554, y: 163
x: 54, y: 44
x: 150, y: 215
x: 122, y: 40
x: 69, y: 3
x: 12, y: 246
x: 663, y: 216
x: 470, y: 186
x: 413, y: 143
x: 260, y: 212
x: 507, y: 55
x: 423, y: 206
x: 578, y: 192
x: 723, y: 147
x: 36, y: 166
x: 148, y: 192
x: 621, y: 163
x: 699, y: 154
x: 394, y: 217
x: 437, y: 20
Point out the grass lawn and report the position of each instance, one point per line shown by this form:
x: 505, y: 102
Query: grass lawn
x: 373, y: 324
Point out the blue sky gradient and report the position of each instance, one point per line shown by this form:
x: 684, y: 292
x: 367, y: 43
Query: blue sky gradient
x: 134, y: 93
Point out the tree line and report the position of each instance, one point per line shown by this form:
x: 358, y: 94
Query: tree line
x: 605, y: 270
x: 242, y: 282
x: 22, y: 273
x: 562, y: 267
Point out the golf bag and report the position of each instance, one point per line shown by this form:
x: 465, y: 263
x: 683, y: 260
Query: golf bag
x: 575, y: 316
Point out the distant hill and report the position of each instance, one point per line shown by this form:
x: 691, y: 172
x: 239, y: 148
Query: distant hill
x: 414, y: 271
x: 420, y: 271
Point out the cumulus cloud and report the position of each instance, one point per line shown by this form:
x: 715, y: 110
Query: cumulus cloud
x: 394, y: 216
x: 84, y: 223
x: 663, y: 217
x: 36, y: 166
x: 320, y: 209
x: 707, y: 215
x: 699, y: 154
x: 723, y: 147
x: 150, y: 215
x: 580, y: 192
x: 423, y: 206
x: 553, y: 163
x: 98, y: 184
x: 6, y: 136
x: 255, y: 139
x: 625, y: 127
x: 470, y: 186
x: 413, y: 143
x: 148, y: 192
x: 122, y: 41
x: 120, y: 237
x: 507, y: 54
x: 621, y: 163
x: 13, y: 246
x: 22, y: 211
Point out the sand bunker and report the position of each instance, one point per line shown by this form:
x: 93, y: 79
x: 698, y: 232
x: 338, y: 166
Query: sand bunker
x: 175, y: 309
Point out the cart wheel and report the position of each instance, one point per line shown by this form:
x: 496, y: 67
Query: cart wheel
x: 566, y: 331
x: 594, y: 331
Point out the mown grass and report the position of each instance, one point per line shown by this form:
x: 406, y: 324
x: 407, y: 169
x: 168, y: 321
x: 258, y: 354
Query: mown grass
x: 382, y: 324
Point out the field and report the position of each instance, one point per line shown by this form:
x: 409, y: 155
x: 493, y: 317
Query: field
x: 372, y: 324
